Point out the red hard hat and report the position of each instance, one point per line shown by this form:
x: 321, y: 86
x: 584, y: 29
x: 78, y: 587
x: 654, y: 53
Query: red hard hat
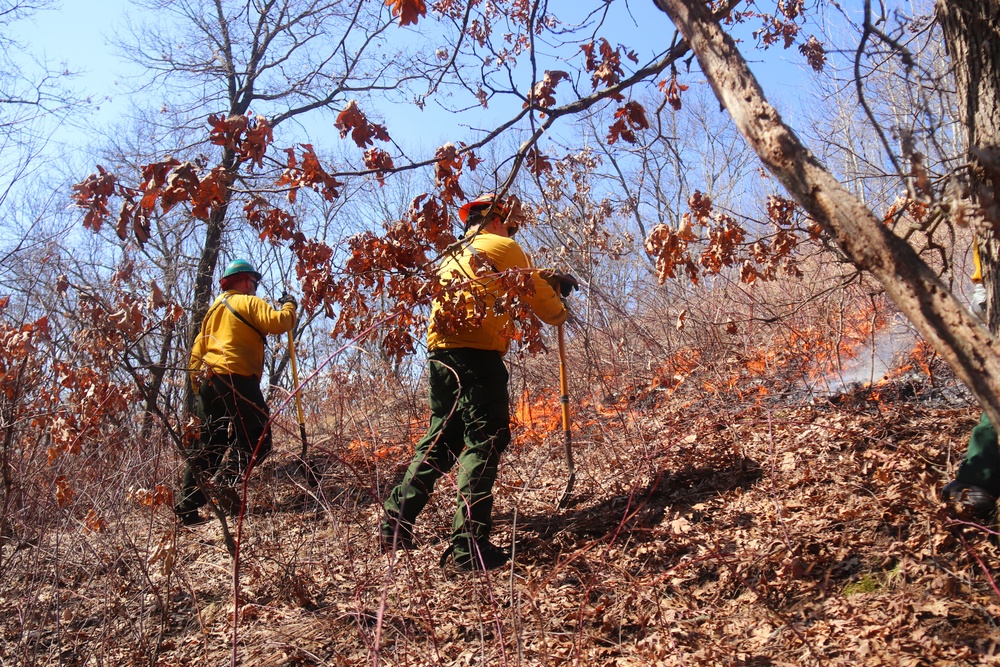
x: 484, y: 201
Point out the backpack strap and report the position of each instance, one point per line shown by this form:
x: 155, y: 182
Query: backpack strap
x: 242, y: 319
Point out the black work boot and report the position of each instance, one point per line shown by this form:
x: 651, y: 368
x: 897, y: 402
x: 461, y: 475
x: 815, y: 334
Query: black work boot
x: 190, y: 518
x: 971, y: 498
x: 394, y: 535
x: 478, y: 555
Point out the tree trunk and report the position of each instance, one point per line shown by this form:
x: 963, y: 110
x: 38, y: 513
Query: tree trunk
x: 918, y: 292
x: 157, y: 372
x: 972, y: 36
x: 204, y: 284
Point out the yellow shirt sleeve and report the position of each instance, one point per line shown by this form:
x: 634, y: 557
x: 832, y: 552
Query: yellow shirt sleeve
x: 545, y: 303
x: 977, y: 276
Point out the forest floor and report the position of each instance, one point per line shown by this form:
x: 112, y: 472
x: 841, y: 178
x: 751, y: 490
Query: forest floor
x: 704, y: 529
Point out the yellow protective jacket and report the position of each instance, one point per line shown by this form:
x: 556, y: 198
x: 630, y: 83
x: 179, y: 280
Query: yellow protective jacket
x: 227, y: 346
x: 496, y: 254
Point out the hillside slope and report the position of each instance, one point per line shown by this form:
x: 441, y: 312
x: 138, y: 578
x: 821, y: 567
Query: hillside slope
x: 703, y: 530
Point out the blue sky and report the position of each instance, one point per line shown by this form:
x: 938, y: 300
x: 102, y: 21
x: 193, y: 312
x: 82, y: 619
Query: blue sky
x: 79, y: 35
x: 75, y: 35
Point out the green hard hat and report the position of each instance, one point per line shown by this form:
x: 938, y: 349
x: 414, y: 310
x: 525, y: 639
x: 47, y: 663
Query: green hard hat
x: 240, y: 266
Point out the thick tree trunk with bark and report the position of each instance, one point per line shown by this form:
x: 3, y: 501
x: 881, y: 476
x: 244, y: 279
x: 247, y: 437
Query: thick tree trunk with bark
x: 972, y: 36
x: 204, y: 283
x: 940, y: 318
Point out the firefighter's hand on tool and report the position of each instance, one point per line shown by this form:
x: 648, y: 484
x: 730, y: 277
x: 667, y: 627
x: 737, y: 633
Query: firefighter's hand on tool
x: 288, y: 298
x: 567, y: 283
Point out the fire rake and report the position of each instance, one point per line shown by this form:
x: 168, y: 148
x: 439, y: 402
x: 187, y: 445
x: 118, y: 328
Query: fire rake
x: 567, y: 434
x: 311, y: 476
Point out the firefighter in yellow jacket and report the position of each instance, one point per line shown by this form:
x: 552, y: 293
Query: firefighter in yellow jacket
x: 470, y: 418
x: 226, y: 366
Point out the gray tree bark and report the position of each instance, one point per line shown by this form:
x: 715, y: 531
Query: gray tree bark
x: 940, y: 318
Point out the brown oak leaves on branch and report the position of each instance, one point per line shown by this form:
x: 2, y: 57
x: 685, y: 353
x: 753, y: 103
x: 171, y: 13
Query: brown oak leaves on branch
x: 605, y: 64
x: 628, y: 119
x: 449, y: 161
x: 308, y: 172
x: 364, y: 132
x: 673, y: 91
x: 171, y: 182
x: 724, y: 243
x: 543, y: 93
x: 92, y: 194
x: 782, y: 27
x: 394, y: 268
x: 248, y: 136
x: 408, y: 11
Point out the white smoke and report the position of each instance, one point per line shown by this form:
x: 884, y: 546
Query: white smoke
x: 885, y: 351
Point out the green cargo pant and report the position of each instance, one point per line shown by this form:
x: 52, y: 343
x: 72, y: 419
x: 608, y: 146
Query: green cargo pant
x: 224, y: 401
x: 470, y: 425
x: 981, y: 466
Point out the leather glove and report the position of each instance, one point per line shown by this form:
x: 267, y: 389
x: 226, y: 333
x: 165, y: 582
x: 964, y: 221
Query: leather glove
x: 565, y: 283
x: 288, y: 298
